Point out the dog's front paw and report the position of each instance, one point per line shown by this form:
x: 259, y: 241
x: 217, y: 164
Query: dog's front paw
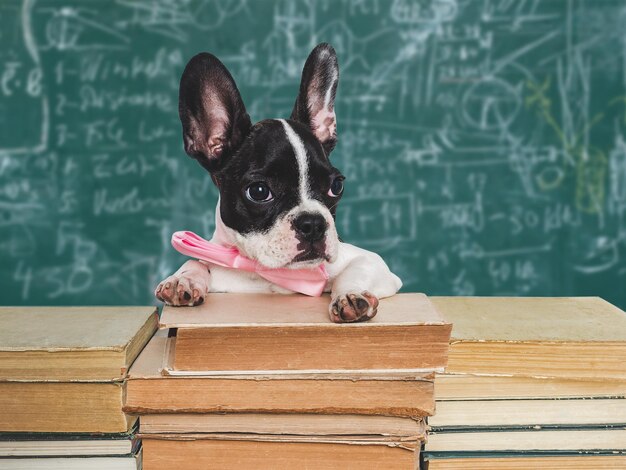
x: 188, y: 288
x: 353, y: 307
x: 180, y: 289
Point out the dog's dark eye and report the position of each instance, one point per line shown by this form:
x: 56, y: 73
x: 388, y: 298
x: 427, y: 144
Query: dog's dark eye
x: 336, y: 187
x: 259, y: 192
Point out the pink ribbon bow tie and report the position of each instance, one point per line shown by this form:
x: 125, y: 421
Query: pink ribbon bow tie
x: 306, y: 281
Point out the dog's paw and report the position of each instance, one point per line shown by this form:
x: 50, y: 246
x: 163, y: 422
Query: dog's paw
x: 187, y: 288
x: 353, y: 307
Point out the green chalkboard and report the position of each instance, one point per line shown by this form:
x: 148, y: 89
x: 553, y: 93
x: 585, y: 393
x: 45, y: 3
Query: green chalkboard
x: 484, y: 141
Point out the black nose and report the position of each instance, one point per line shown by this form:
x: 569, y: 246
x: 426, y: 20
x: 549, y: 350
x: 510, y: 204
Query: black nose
x: 311, y: 227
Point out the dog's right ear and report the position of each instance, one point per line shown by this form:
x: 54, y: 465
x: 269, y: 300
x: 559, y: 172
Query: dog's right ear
x: 214, y: 118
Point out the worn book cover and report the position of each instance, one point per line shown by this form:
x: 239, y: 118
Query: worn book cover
x: 149, y: 390
x: 269, y: 332
x: 72, y: 343
x: 566, y: 337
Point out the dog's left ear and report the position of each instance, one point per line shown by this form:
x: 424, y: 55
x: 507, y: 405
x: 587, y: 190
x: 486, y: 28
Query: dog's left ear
x: 315, y: 105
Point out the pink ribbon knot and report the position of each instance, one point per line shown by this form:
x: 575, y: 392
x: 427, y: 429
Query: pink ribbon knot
x: 305, y: 281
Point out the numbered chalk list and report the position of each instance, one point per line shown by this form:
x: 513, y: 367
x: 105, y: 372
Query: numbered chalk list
x: 484, y: 143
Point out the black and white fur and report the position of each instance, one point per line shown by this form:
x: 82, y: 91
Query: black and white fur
x: 287, y: 160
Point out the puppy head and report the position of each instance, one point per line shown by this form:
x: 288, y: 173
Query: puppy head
x: 278, y: 189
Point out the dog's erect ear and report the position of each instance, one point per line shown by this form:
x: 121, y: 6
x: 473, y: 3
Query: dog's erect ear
x: 315, y: 105
x: 214, y: 118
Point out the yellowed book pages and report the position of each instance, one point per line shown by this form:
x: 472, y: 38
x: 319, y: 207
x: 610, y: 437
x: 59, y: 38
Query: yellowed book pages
x: 569, y: 337
x: 228, y: 455
x: 392, y: 394
x: 278, y: 333
x: 271, y: 423
x: 476, y: 387
x: 600, y: 440
x: 72, y: 343
x: 63, y: 407
x: 551, y: 462
x: 529, y: 413
x: 409, y: 443
x: 130, y: 462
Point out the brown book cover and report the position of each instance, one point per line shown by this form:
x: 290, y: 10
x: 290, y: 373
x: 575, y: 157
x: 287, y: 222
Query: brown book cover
x: 260, y: 452
x: 524, y: 462
x: 473, y: 387
x: 72, y: 407
x: 567, y: 337
x: 270, y: 332
x: 72, y: 343
x: 390, y: 394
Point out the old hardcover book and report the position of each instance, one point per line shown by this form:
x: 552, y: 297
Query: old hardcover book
x: 524, y: 461
x: 538, y: 440
x: 391, y: 394
x: 190, y: 452
x: 569, y: 337
x: 94, y: 462
x: 278, y: 424
x: 266, y: 332
x: 529, y: 413
x: 72, y: 343
x: 63, y: 407
x: 489, y: 387
x: 66, y: 445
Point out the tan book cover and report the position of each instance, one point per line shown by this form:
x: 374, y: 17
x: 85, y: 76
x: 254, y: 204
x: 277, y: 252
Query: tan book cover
x: 269, y: 332
x: 522, y: 462
x: 277, y: 424
x: 568, y: 337
x: 149, y: 391
x: 543, y: 440
x: 72, y: 407
x: 72, y: 343
x: 257, y: 310
x: 476, y: 387
x: 248, y: 451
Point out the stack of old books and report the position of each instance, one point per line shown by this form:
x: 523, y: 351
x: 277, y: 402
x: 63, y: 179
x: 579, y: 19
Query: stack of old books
x: 62, y: 376
x: 268, y: 382
x: 531, y: 383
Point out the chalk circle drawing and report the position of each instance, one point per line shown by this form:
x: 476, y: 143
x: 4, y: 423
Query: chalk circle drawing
x: 550, y: 177
x: 491, y: 104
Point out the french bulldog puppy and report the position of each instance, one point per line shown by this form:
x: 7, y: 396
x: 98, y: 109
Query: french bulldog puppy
x: 278, y: 190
